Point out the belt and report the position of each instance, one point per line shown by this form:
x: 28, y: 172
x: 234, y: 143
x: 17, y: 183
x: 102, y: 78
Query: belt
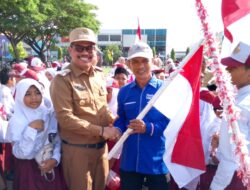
x: 95, y: 146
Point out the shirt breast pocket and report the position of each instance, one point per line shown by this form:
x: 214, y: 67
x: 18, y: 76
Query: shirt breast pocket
x: 131, y: 110
x: 102, y: 95
x: 81, y: 98
x: 103, y: 92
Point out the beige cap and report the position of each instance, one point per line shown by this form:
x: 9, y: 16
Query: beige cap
x: 82, y: 34
x: 140, y: 49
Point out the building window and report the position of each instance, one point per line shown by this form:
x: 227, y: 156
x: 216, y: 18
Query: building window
x: 151, y: 38
x: 160, y: 38
x: 103, y: 38
x: 115, y: 38
x: 127, y: 31
x: 161, y: 32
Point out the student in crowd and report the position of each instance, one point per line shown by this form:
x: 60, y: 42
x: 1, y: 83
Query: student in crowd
x: 50, y: 73
x: 121, y: 76
x: 159, y: 73
x: 32, y: 127
x: 79, y: 96
x: 238, y: 65
x: 8, y: 82
x: 170, y: 66
x: 142, y: 153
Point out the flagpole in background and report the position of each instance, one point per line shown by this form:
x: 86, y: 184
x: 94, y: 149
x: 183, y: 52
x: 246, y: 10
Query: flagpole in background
x: 155, y: 97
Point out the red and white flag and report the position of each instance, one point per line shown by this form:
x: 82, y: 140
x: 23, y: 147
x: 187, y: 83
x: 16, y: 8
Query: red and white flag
x: 184, y: 155
x: 138, y: 33
x: 236, y: 19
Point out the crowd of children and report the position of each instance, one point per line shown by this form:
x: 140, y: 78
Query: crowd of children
x: 26, y: 105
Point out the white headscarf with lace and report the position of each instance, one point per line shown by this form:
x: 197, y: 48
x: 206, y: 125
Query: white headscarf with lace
x: 23, y: 115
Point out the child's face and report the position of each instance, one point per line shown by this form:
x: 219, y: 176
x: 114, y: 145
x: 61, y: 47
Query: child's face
x: 160, y: 76
x: 122, y: 79
x: 49, y: 76
x: 32, y: 98
x: 240, y: 76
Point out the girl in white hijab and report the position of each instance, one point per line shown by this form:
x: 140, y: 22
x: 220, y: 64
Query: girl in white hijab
x: 32, y: 127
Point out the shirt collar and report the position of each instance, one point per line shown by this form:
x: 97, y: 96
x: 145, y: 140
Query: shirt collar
x: 77, y: 71
x: 243, y: 90
x: 152, y: 82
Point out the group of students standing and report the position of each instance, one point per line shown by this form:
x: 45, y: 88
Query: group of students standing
x: 59, y: 130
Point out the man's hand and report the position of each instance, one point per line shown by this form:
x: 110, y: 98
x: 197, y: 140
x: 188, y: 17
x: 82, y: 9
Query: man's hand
x: 137, y: 125
x: 111, y: 133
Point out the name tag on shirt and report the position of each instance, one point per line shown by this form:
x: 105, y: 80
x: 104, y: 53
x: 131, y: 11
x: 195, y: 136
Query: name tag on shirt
x: 128, y: 103
x: 149, y: 96
x: 79, y: 87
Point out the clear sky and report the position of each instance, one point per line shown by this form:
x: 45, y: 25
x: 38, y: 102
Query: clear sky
x: 179, y: 17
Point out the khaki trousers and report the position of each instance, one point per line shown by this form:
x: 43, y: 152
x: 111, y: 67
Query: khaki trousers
x: 85, y: 168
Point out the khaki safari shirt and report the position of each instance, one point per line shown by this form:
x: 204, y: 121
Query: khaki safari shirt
x: 80, y: 103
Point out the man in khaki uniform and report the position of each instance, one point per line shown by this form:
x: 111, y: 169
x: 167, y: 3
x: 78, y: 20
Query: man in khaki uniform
x: 79, y: 96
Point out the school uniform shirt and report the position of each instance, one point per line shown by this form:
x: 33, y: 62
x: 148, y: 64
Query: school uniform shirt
x: 80, y: 102
x: 142, y: 153
x: 6, y: 98
x: 228, y: 162
x: 46, y: 83
x: 27, y: 142
x: 113, y: 102
x: 209, y: 125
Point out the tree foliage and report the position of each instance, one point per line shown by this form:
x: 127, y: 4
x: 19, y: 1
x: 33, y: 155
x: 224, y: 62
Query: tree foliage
x: 112, y: 53
x: 16, y: 17
x: 187, y: 50
x: 172, y: 55
x: 20, y: 49
x: 39, y: 22
x: 154, y: 51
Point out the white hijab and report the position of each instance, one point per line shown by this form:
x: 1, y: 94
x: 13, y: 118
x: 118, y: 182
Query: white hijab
x: 52, y: 71
x: 23, y: 115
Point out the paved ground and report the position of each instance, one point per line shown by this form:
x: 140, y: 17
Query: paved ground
x: 9, y: 185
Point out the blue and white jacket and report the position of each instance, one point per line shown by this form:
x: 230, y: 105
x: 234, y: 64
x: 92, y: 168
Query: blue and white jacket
x: 142, y: 153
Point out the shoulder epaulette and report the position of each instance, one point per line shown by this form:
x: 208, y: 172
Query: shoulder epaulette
x: 64, y: 72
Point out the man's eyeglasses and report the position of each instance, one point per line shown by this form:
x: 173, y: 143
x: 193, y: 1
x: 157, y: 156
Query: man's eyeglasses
x: 80, y: 48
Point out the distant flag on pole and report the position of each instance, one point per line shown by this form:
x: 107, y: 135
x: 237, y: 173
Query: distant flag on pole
x: 236, y: 18
x: 184, y: 155
x: 138, y: 33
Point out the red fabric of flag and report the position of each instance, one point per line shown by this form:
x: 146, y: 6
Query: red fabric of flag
x: 188, y: 150
x: 233, y: 10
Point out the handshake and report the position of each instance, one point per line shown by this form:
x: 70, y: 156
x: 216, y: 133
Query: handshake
x: 113, y: 133
x: 110, y: 132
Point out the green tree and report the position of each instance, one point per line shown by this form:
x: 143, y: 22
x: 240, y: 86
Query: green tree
x: 39, y: 22
x: 16, y: 19
x: 172, y: 55
x: 154, y: 51
x: 187, y: 50
x: 111, y: 53
x: 60, y: 53
x: 20, y: 50
x: 62, y: 16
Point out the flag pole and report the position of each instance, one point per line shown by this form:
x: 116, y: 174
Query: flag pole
x: 155, y: 97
